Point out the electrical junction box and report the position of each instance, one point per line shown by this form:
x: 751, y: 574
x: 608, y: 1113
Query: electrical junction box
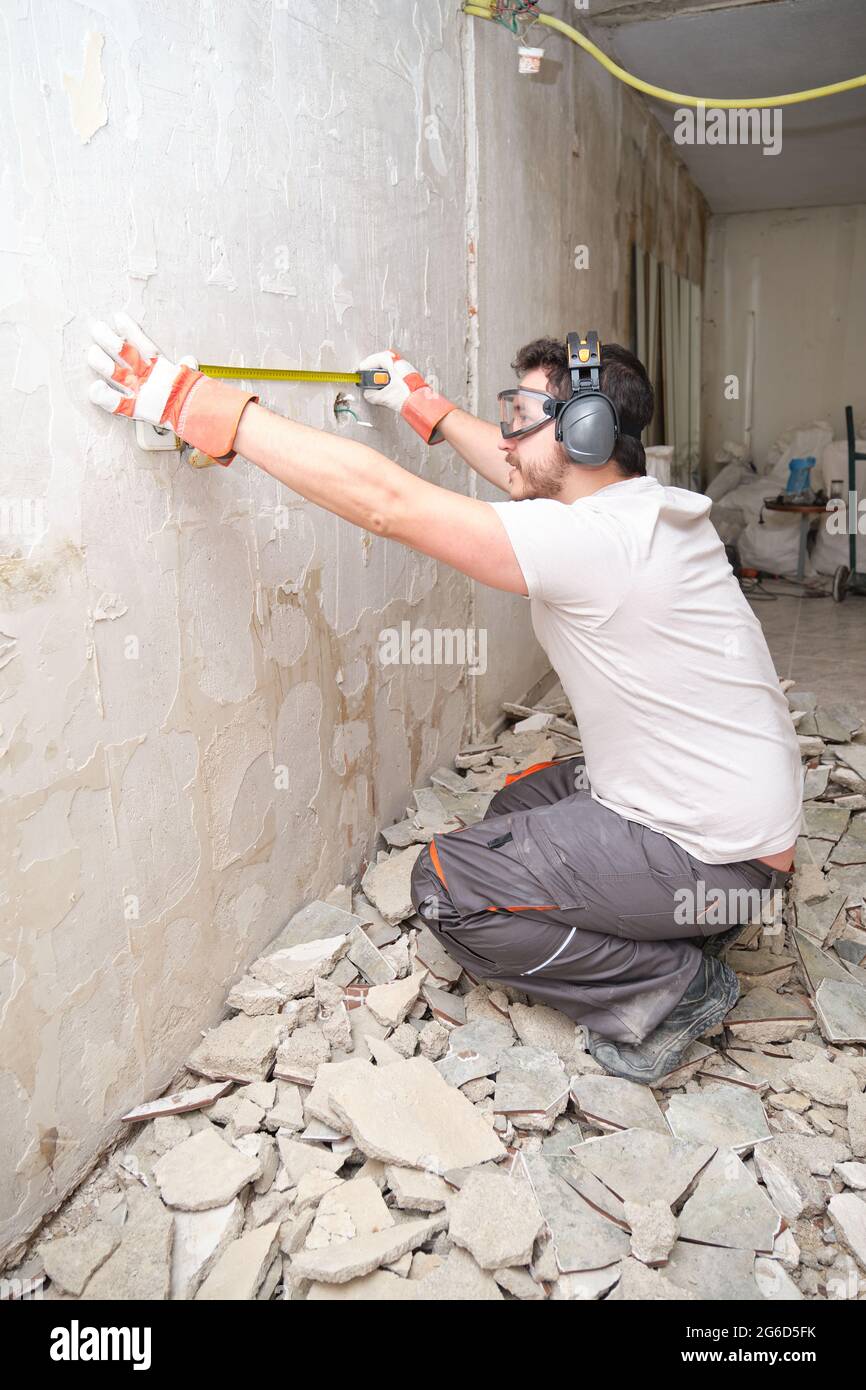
x: 153, y: 437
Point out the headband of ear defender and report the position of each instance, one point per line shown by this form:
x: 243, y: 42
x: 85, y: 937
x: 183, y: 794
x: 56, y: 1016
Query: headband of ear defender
x: 588, y: 425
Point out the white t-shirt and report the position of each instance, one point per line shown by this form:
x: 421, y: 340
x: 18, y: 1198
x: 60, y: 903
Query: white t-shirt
x: 684, y: 726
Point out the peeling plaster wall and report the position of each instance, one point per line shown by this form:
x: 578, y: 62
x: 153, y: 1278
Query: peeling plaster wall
x: 196, y: 735
x: 802, y: 273
x: 568, y: 158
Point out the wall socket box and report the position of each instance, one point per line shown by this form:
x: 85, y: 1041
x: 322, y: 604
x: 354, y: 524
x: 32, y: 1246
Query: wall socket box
x: 152, y: 438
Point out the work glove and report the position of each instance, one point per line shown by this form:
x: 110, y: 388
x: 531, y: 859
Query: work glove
x: 145, y: 385
x: 409, y: 394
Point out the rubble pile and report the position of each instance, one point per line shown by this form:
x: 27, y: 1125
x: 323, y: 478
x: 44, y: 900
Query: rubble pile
x: 370, y: 1122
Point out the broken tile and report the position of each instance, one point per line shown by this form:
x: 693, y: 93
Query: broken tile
x: 459, y: 1277
x: 638, y: 1165
x: 351, y: 1209
x: 391, y: 1003
x: 415, y: 1190
x: 637, y: 1281
x: 712, y: 1272
x: 299, y: 1157
x: 240, y: 1049
x: 179, y: 1102
x: 387, y: 884
x: 852, y: 1174
x: 204, y: 1171
x: 537, y: 1025
x: 785, y: 1167
x: 848, y: 1214
x: 380, y: 1285
x: 349, y: 1259
x: 824, y: 1081
x: 761, y: 967
x: 200, y: 1237
x: 582, y: 1239
x: 140, y: 1266
x: 446, y: 1007
x: 761, y: 1015
x: 774, y: 1281
x: 316, y: 1102
x: 70, y: 1261
x: 611, y: 1102
x: 299, y: 1057
x: 728, y: 1115
x: 531, y: 1084
x: 431, y: 953
x: 313, y: 923
x: 365, y: 954
x: 729, y: 1208
x: 406, y: 1114
x: 692, y: 1060
x: 495, y: 1218
x: 841, y: 1008
x: 243, y: 1266
x: 586, y: 1286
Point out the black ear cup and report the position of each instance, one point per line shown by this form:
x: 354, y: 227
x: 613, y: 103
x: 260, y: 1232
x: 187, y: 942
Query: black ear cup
x: 588, y: 429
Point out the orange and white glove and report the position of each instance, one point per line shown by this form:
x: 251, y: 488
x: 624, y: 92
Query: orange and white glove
x: 409, y: 394
x: 145, y: 385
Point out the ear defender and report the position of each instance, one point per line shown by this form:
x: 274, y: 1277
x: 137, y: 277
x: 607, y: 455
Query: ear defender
x: 588, y: 425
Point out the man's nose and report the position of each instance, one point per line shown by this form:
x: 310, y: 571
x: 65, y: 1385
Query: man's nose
x: 505, y: 445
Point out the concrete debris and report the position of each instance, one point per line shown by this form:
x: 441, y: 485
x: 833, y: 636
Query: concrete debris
x: 531, y: 1084
x: 386, y: 884
x: 638, y: 1281
x: 848, y: 1215
x: 140, y: 1266
x: 391, y: 1003
x: 204, y: 1171
x: 653, y: 1229
x: 200, y: 1238
x: 714, y: 1273
x: 241, y: 1269
x: 366, y: 956
x: 241, y: 1049
x: 377, y: 1124
x: 300, y: 1056
x: 495, y: 1218
x: 343, y: 1260
x: 407, y: 1114
x: 70, y: 1261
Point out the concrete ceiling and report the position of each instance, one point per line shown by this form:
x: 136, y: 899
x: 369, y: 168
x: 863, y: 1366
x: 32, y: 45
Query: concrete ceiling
x: 729, y: 48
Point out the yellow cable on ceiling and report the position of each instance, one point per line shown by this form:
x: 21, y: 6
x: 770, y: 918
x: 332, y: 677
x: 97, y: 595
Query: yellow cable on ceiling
x: 483, y: 10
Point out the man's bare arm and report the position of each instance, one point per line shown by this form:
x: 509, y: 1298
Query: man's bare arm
x: 477, y: 441
x: 364, y: 487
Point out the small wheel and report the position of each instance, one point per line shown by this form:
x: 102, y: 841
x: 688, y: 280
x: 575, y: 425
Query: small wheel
x: 840, y: 583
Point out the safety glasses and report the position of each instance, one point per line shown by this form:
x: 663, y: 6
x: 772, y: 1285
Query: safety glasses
x: 521, y: 411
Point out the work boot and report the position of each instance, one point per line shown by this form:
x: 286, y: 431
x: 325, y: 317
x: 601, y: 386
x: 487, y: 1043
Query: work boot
x: 709, y: 998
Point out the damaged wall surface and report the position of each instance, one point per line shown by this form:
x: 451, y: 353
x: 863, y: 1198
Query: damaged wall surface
x: 799, y: 276
x: 197, y: 731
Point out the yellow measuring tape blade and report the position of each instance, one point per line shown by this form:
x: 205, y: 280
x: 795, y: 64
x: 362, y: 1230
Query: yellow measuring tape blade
x: 276, y: 374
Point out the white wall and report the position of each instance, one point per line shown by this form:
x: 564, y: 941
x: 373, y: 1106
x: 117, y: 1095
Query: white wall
x: 282, y: 184
x: 803, y: 273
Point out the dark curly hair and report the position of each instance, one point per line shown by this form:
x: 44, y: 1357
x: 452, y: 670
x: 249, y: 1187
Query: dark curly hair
x: 623, y: 377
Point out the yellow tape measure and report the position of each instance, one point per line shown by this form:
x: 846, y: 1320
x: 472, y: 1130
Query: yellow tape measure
x: 367, y: 379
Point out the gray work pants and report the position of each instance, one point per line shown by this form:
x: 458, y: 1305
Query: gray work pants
x: 583, y: 910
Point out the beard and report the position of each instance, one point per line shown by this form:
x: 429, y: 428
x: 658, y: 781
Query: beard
x: 545, y: 479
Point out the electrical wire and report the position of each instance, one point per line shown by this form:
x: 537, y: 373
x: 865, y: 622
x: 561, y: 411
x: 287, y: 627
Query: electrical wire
x: 494, y: 9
